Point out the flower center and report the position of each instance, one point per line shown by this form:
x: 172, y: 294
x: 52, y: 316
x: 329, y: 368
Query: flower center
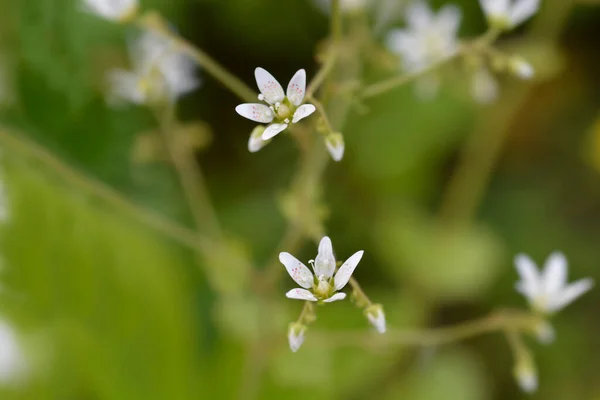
x: 322, y: 288
x: 283, y: 111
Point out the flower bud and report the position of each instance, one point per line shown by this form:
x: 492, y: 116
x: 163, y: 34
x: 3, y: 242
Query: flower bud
x: 256, y: 142
x: 520, y: 68
x: 526, y: 374
x: 335, y: 144
x: 376, y: 317
x: 296, y: 336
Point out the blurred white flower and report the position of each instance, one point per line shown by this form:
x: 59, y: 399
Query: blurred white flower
x: 335, y: 145
x: 160, y: 72
x: 12, y: 359
x: 114, y: 10
x: 484, y: 86
x: 282, y: 109
x: 296, y: 336
x: 428, y: 39
x: 526, y: 374
x: 376, y: 317
x: 520, y: 68
x: 547, y: 291
x: 323, y: 284
x: 507, y: 14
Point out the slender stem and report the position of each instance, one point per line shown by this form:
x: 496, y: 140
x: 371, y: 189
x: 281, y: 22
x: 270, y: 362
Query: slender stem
x: 323, y: 73
x: 154, y: 22
x: 380, y: 88
x: 361, y: 295
x: 19, y: 143
x: 321, y: 109
x: 190, y: 175
x: 336, y: 21
x: 497, y: 321
x: 305, y: 309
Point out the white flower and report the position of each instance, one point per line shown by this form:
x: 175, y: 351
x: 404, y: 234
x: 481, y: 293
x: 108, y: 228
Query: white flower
x: 547, y: 291
x: 114, y: 10
x: 506, y: 14
x: 484, y: 86
x: 376, y: 317
x: 323, y: 284
x: 335, y: 145
x: 282, y: 109
x: 256, y: 142
x: 12, y: 359
x: 520, y: 68
x: 428, y: 39
x: 296, y: 336
x: 160, y: 72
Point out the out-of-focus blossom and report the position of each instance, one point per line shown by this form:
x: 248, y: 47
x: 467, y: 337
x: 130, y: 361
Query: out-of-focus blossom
x: 520, y: 68
x: 113, y: 10
x: 548, y: 291
x: 506, y: 14
x: 428, y: 38
x: 526, y: 374
x: 283, y: 108
x: 160, y: 72
x: 12, y: 359
x: 322, y: 285
x: 484, y: 86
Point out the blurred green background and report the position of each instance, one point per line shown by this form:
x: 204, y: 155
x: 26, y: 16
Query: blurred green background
x: 109, y: 309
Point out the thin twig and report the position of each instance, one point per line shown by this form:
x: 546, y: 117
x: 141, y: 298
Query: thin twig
x: 321, y: 109
x: 323, y: 73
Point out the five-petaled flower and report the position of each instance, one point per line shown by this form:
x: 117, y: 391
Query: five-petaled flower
x: 160, y: 72
x: 507, y: 14
x: 322, y: 285
x: 282, y: 109
x: 548, y: 291
x: 113, y: 10
x: 428, y: 39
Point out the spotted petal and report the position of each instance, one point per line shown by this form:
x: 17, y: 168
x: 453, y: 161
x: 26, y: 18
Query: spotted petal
x: 255, y: 112
x: 273, y: 130
x: 345, y: 272
x: 268, y: 86
x: 297, y: 88
x: 335, y: 297
x: 301, y: 294
x: 302, y: 112
x: 298, y: 271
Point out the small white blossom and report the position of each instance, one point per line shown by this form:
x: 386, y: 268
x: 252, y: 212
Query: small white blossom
x: 335, y: 145
x: 114, y: 10
x: 428, y: 39
x: 322, y: 285
x: 283, y: 108
x: 256, y: 142
x: 507, y: 14
x: 484, y: 86
x: 376, y: 317
x: 547, y: 291
x: 12, y: 359
x: 296, y: 336
x: 160, y: 72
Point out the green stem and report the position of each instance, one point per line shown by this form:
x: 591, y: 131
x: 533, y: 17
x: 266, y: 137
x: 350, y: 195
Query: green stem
x: 154, y: 22
x: 497, y: 321
x: 321, y: 109
x: 361, y: 295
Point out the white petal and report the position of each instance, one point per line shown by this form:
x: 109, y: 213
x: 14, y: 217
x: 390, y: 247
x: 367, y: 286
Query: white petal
x: 302, y: 112
x: 268, y: 86
x: 297, y: 88
x: 335, y: 297
x: 495, y: 8
x: 570, y: 294
x: 448, y: 20
x: 521, y: 68
x: 345, y: 272
x: 554, y: 276
x: 325, y: 260
x: 523, y: 10
x: 255, y: 112
x: 419, y: 16
x: 298, y: 271
x: 300, y: 294
x: 528, y: 272
x: 335, y: 145
x: 273, y: 130
x: 256, y: 142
